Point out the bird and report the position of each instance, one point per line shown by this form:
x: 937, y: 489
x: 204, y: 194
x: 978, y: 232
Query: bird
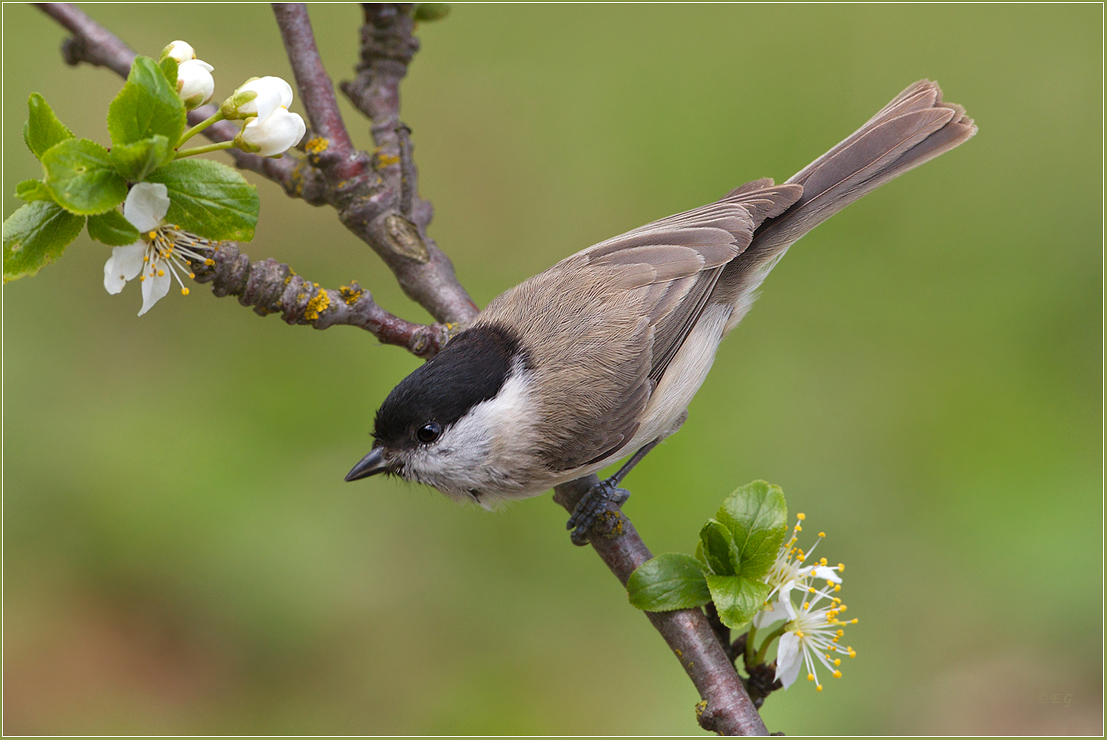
x: 597, y: 358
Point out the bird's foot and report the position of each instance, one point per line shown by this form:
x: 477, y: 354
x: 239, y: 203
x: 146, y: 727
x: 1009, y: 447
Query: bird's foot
x: 602, y: 497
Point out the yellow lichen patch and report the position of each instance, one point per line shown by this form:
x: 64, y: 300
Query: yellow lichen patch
x: 701, y: 707
x: 317, y: 305
x: 350, y: 294
x: 387, y: 160
x: 316, y: 145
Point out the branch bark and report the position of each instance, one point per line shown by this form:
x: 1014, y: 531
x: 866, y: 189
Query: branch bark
x: 270, y: 287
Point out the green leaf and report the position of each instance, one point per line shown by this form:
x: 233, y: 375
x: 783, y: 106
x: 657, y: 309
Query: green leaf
x: 168, y: 67
x: 113, y: 229
x: 42, y: 129
x: 147, y: 105
x: 81, y: 178
x: 757, y: 517
x: 669, y: 581
x: 737, y: 598
x: 719, y: 551
x: 428, y: 12
x: 36, y: 235
x: 135, y: 161
x: 209, y: 199
x: 30, y: 190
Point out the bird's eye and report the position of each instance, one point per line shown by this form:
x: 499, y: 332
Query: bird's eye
x: 429, y: 432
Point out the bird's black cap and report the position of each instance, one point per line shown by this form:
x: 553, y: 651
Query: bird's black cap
x: 469, y: 370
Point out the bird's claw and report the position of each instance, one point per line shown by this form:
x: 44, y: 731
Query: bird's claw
x: 600, y: 498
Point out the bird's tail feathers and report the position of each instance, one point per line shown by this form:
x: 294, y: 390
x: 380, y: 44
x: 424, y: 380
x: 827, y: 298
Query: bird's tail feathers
x: 912, y: 129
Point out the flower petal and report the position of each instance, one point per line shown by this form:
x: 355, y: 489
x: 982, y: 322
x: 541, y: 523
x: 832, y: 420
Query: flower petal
x: 272, y: 93
x: 275, y: 134
x: 123, y: 265
x: 146, y: 205
x: 788, y: 659
x: 826, y: 573
x: 155, y: 286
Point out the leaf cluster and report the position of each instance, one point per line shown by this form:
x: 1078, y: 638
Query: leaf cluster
x: 735, y: 552
x: 84, y: 183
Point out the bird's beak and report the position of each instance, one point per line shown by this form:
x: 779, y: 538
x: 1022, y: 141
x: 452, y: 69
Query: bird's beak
x: 371, y: 464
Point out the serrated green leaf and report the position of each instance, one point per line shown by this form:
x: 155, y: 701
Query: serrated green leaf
x: 30, y: 190
x: 757, y: 516
x: 80, y: 176
x: 146, y: 106
x: 42, y: 129
x: 112, y: 229
x: 36, y: 235
x: 135, y: 161
x: 427, y: 12
x: 736, y: 598
x: 718, y: 549
x: 669, y: 581
x: 209, y: 199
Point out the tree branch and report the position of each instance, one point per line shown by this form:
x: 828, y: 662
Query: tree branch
x: 727, y: 709
x: 367, y: 204
x: 271, y: 287
x: 376, y: 197
x: 316, y: 88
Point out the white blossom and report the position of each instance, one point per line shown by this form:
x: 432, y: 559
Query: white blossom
x: 272, y: 136
x: 162, y: 253
x: 195, y: 84
x: 179, y: 51
x: 269, y: 93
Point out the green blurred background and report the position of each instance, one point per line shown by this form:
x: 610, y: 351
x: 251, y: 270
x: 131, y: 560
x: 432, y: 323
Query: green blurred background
x: 922, y: 376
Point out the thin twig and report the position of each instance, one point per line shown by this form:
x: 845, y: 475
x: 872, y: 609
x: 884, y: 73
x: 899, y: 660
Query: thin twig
x: 316, y: 88
x: 270, y: 287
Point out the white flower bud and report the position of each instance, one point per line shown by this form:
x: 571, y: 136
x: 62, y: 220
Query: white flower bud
x: 272, y: 136
x: 269, y: 93
x: 195, y: 84
x: 179, y: 51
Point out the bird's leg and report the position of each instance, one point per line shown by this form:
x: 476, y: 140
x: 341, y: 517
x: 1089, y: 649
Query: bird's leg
x: 604, y: 493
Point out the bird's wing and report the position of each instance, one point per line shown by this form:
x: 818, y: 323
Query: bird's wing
x: 606, y: 322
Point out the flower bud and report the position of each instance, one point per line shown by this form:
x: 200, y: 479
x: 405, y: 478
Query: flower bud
x: 195, y: 84
x: 272, y: 136
x: 179, y: 51
x: 258, y: 97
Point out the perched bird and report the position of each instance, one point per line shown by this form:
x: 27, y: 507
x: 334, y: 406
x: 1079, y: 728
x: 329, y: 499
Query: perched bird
x: 598, y: 357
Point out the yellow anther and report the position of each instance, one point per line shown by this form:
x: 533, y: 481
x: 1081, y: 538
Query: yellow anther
x: 146, y: 258
x: 192, y: 275
x: 837, y: 587
x: 806, y: 606
x: 819, y: 688
x: 811, y: 589
x: 841, y: 632
x: 141, y: 278
x: 822, y: 561
x: 799, y: 528
x: 801, y: 517
x: 810, y: 676
x: 152, y: 234
x: 161, y: 273
x: 184, y: 291
x: 841, y: 567
x: 799, y: 633
x: 822, y: 534
x: 837, y: 661
x: 837, y: 674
